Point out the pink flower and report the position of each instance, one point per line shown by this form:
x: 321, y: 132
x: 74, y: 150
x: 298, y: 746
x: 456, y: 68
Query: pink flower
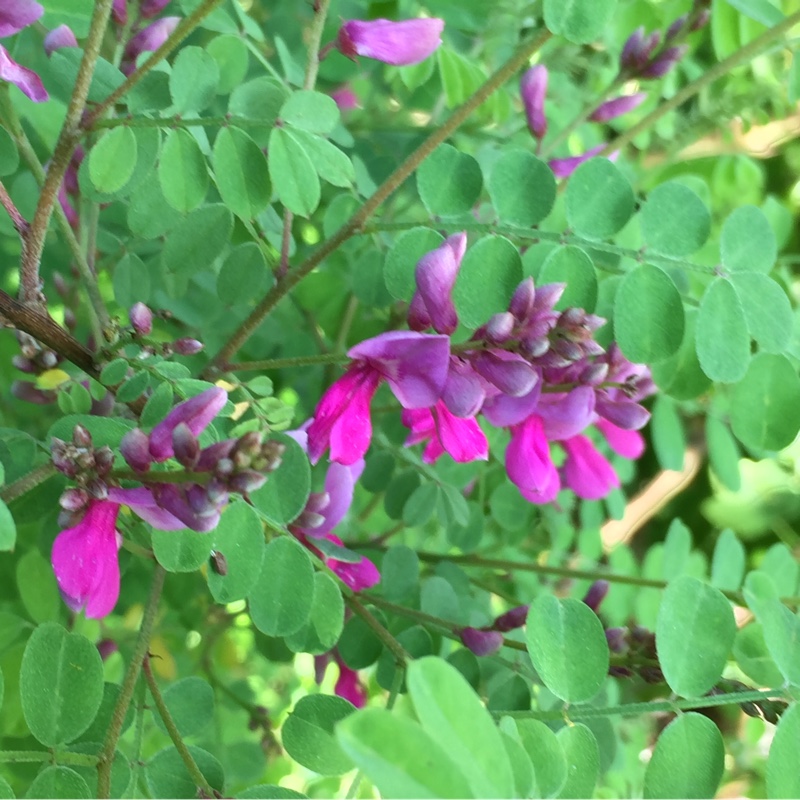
x: 413, y: 364
x: 59, y: 37
x: 151, y: 37
x: 345, y: 98
x: 398, y: 43
x: 564, y: 167
x: 23, y: 78
x: 529, y: 464
x: 349, y: 687
x: 119, y: 11
x: 461, y: 438
x: 533, y: 88
x: 84, y: 560
x: 628, y: 444
x: 18, y: 14
x: 197, y: 412
x: 618, y: 106
x: 436, y: 273
x: 586, y: 470
x: 152, y: 8
x: 359, y: 575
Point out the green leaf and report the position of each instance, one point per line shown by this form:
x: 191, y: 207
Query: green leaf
x: 675, y: 221
x: 191, y: 705
x: 331, y: 164
x: 747, y: 241
x: 779, y: 563
x: 131, y: 281
x: 723, y: 453
x: 648, y: 315
x: 281, y: 600
x: 61, y: 684
x: 449, y: 182
x: 157, y: 406
x: 260, y: 99
x: 182, y: 171
x: 9, y: 154
x: 8, y: 528
x: 571, y: 265
x: 767, y: 309
x: 765, y: 413
x: 112, y: 159
x: 197, y: 241
x: 37, y: 587
x: 760, y: 10
x: 450, y: 711
x: 677, y: 548
x: 401, y: 260
x: 723, y: 344
x: 181, y: 551
x: 311, y: 111
x: 193, y: 80
x: 546, y: 754
x: 688, y: 759
x: 97, y: 730
x: 669, y: 438
x: 421, y: 504
x: 568, y: 647
x: 583, y: 758
x: 132, y: 388
x: 58, y: 782
x: 167, y: 776
x: 490, y: 271
x: 270, y: 791
x: 308, y: 733
x: 599, y: 198
x: 239, y: 537
x: 399, y: 573
x: 241, y: 173
x: 578, y: 21
x: 284, y: 495
x: 680, y: 376
x: 63, y: 70
x: 694, y: 635
x: 752, y: 655
x: 293, y: 174
x: 521, y: 767
x: 728, y: 562
x: 522, y: 188
x: 326, y: 621
x: 401, y: 758
x: 232, y: 57
x: 149, y: 213
x: 244, y: 274
x: 783, y: 777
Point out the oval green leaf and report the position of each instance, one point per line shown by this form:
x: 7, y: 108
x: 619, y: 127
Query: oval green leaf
x: 583, y: 758
x: 578, y: 21
x: 241, y: 173
x: 680, y: 376
x: 239, y: 537
x: 599, y: 199
x: 522, y: 188
x: 449, y: 182
x: 191, y: 705
x: 293, y: 174
x: 401, y: 260
x: 112, y: 160
x: 193, y: 80
x: 311, y: 111
x: 326, y: 620
x: 747, y: 243
x: 723, y: 344
x: 182, y: 171
x: 54, y: 782
x: 767, y: 309
x: 728, y: 562
x: 783, y: 777
x: 675, y: 221
x: 571, y: 265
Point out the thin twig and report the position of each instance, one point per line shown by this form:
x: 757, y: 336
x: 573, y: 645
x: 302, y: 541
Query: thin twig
x: 20, y: 223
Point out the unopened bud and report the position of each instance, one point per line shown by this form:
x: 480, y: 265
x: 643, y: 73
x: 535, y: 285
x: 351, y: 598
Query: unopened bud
x: 103, y: 460
x: 664, y: 62
x: 513, y: 618
x: 187, y: 347
x: 106, y: 648
x: 500, y: 327
x: 617, y: 639
x: 318, y: 502
x: 533, y: 88
x: 617, y: 107
x: 676, y: 27
x: 97, y: 489
x: 185, y: 446
x: 247, y: 481
x: 141, y: 318
x: 69, y: 319
x: 48, y: 359
x: 702, y: 20
x: 61, y: 285
x: 81, y: 437
x: 597, y: 592
x: 308, y: 519
x: 224, y: 468
x: 59, y: 37
x: 24, y: 364
x: 482, y: 643
x: 152, y: 8
x: 135, y: 449
x: 73, y: 499
x: 651, y: 674
x: 522, y: 300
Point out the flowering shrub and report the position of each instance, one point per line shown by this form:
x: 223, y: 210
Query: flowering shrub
x: 316, y: 480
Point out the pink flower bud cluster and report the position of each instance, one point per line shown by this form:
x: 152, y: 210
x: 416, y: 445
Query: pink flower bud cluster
x: 84, y: 555
x: 141, y: 319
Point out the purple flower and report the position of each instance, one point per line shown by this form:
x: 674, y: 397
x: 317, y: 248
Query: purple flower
x: 348, y: 686
x: 564, y: 167
x: 529, y: 464
x: 432, y: 304
x: 464, y: 391
x: 628, y: 444
x: 664, y: 62
x: 362, y: 574
x: 596, y: 594
x: 637, y: 50
x: 84, y: 560
x: 345, y: 98
x: 413, y: 364
x: 18, y: 14
x: 119, y: 11
x: 24, y: 79
x: 143, y: 504
x: 151, y: 37
x: 513, y: 618
x: 509, y: 372
x: 197, y: 413
x: 618, y: 106
x: 152, y: 8
x: 586, y: 470
x: 397, y: 43
x: 481, y: 642
x: 461, y: 438
x: 533, y: 88
x: 141, y: 318
x: 59, y: 37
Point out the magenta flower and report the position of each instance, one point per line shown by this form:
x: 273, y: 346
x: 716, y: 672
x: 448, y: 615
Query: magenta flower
x: 84, y: 560
x: 197, y: 412
x: 564, y: 167
x: 59, y: 37
x: 461, y: 438
x: 533, y: 88
x: 359, y: 575
x: 151, y: 37
x: 152, y: 8
x: 586, y: 470
x: 413, y: 364
x: 436, y: 273
x: 397, y: 43
x: 119, y: 11
x: 345, y: 98
x: 143, y: 504
x: 617, y: 107
x: 349, y: 687
x: 529, y: 464
x: 14, y: 16
x: 628, y: 444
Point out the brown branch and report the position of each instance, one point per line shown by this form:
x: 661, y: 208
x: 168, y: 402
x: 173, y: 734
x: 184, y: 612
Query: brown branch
x: 20, y: 223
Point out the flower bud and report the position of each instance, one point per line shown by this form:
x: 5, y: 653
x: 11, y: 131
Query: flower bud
x: 345, y: 98
x: 211, y: 455
x: 152, y: 8
x: 119, y: 11
x: 97, y: 489
x: 197, y: 412
x: 24, y: 364
x: 482, y: 643
x: 500, y: 327
x: 513, y: 618
x: 676, y: 27
x: 185, y: 446
x: 59, y: 37
x: 597, y: 592
x: 103, y: 460
x: 224, y: 468
x: 533, y: 88
x: 141, y: 318
x: 399, y: 43
x: 135, y: 449
x: 81, y: 437
x: 617, y: 639
x: 521, y: 305
x: 702, y: 20
x: 106, y: 648
x: 247, y: 481
x: 617, y: 107
x: 661, y: 65
x: 73, y: 499
x: 187, y: 347
x: 151, y: 38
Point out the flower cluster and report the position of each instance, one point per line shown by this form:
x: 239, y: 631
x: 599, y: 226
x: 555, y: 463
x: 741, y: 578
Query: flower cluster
x: 84, y: 554
x: 533, y: 370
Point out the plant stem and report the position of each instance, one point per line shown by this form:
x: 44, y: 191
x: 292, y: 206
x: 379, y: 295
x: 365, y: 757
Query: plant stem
x: 576, y: 712
x: 20, y: 223
x: 191, y: 765
x: 741, y: 56
x: 67, y: 140
x: 53, y: 756
x: 314, y: 38
x: 27, y: 482
x: 282, y: 363
x: 183, y: 29
x: 129, y: 684
x: 401, y: 657
x: 387, y: 188
x: 178, y: 122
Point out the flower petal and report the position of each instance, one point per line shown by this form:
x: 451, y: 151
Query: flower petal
x: 399, y: 43
x: 23, y: 78
x: 586, y: 470
x: 18, y: 14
